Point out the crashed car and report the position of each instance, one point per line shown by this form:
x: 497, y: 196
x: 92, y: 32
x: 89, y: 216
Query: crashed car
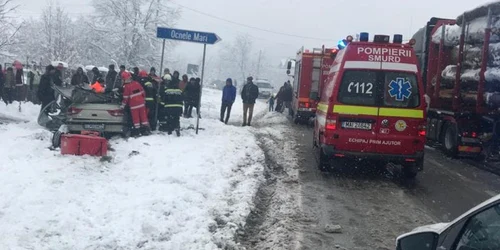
x: 77, y: 110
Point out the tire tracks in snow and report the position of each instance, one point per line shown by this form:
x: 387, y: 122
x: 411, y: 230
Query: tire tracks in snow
x: 276, y: 205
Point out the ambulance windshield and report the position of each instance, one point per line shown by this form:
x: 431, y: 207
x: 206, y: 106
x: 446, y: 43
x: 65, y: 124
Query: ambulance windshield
x: 379, y: 88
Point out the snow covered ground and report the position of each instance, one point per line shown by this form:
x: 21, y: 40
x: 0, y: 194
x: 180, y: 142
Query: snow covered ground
x: 157, y: 192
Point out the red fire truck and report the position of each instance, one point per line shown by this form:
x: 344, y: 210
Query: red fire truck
x: 461, y: 73
x: 311, y: 72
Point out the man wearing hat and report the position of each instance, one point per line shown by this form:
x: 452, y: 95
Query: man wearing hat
x: 249, y: 94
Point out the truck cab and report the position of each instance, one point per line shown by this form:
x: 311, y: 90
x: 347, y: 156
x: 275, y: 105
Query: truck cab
x: 372, y: 106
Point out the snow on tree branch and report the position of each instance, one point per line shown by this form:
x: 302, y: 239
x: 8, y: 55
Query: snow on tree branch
x: 117, y: 31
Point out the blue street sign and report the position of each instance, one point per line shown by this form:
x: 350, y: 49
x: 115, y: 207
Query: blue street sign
x: 187, y: 35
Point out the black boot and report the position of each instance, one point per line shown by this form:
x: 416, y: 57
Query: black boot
x: 178, y: 132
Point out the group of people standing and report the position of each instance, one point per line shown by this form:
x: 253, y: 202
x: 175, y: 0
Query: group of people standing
x: 283, y: 99
x: 12, y: 84
x: 249, y: 95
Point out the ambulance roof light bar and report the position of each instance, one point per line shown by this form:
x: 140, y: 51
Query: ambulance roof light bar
x: 381, y: 39
x: 364, y: 36
x: 398, y: 38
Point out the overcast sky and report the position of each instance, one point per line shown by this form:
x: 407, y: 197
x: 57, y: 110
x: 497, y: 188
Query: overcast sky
x: 326, y: 20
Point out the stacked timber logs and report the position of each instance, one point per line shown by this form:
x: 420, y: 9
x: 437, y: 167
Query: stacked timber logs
x: 475, y: 24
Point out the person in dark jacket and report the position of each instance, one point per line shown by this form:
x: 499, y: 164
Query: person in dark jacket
x: 20, y: 91
x: 249, y: 94
x: 270, y: 101
x: 288, y: 97
x: 152, y: 72
x: 57, y: 77
x: 45, y: 91
x: 279, y: 100
x: 196, y: 96
x: 96, y: 74
x: 79, y: 78
x: 188, y: 96
x: 148, y: 84
x: 9, y: 86
x: 118, y: 80
x: 228, y: 97
x: 111, y: 78
x: 135, y: 74
x: 171, y: 100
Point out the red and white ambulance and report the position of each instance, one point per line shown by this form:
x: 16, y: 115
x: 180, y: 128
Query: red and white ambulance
x: 372, y: 106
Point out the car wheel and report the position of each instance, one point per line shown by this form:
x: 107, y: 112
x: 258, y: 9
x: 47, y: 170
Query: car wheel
x: 126, y: 133
x: 450, y: 140
x: 56, y: 139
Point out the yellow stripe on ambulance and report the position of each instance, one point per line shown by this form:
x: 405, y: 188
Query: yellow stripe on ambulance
x: 375, y: 111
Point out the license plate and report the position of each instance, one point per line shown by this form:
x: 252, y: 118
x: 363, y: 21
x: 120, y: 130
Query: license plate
x: 357, y: 125
x: 94, y: 126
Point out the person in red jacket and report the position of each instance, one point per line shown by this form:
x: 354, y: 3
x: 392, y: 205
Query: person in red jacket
x: 134, y: 97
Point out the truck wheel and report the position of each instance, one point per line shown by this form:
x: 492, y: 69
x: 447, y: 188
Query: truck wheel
x: 450, y: 142
x: 411, y: 170
x: 56, y: 139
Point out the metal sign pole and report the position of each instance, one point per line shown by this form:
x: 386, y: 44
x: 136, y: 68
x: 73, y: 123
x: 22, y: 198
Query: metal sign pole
x: 158, y: 87
x: 201, y: 87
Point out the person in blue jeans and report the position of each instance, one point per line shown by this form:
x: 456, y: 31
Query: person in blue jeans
x: 228, y: 97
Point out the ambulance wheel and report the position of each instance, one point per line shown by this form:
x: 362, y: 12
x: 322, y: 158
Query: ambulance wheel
x: 56, y: 139
x: 411, y: 170
x: 450, y: 140
x: 323, y: 161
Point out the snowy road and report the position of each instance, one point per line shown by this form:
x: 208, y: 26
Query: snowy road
x: 371, y: 207
x: 228, y: 187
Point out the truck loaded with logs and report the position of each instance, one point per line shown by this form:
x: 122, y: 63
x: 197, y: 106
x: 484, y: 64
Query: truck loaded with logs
x: 460, y: 65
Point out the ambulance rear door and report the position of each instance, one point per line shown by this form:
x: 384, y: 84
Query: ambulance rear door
x: 356, y: 110
x: 401, y: 114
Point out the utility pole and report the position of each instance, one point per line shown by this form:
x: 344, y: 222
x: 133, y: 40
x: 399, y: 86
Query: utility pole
x: 258, y: 64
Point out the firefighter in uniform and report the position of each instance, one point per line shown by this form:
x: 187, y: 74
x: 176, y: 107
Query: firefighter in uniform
x: 134, y: 97
x: 172, y: 102
x: 150, y: 87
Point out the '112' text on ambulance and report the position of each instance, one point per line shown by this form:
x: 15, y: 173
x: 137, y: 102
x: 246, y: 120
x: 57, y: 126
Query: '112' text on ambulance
x: 384, y: 54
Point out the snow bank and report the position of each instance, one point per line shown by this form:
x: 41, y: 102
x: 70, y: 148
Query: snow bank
x: 29, y: 112
x: 157, y: 192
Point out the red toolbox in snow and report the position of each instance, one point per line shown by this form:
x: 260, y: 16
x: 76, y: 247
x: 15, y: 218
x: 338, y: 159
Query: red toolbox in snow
x: 74, y: 144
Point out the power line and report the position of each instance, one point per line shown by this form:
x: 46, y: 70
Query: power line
x: 251, y: 27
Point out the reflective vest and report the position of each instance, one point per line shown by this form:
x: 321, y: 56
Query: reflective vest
x: 173, y: 98
x: 97, y: 87
x: 150, y: 91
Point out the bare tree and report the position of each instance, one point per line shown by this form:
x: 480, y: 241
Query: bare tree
x: 241, y: 49
x: 52, y: 37
x: 8, y: 27
x: 128, y: 29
